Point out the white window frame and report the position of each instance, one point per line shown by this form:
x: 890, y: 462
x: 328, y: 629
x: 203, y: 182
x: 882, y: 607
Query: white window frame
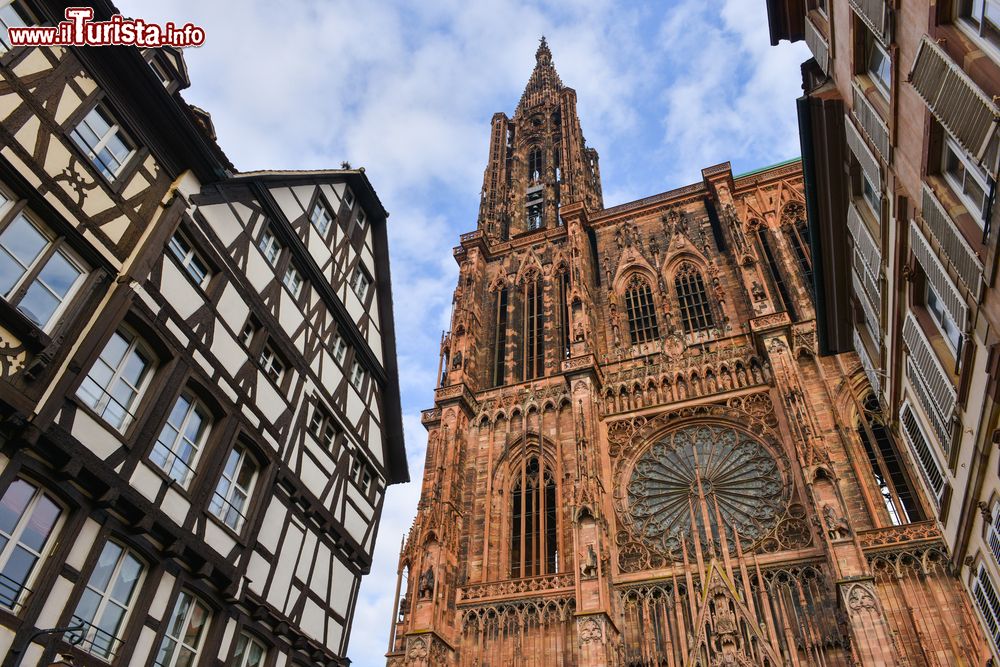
x: 185, y: 617
x: 171, y: 451
x: 100, y: 405
x: 874, y: 206
x: 242, y: 656
x: 222, y: 504
x: 31, y: 273
x: 993, y: 533
x: 13, y: 543
x: 93, y: 152
x: 272, y: 363
x: 349, y: 197
x: 270, y: 247
x: 24, y: 19
x: 984, y: 591
x: 293, y: 281
x: 976, y: 29
x: 357, y: 375
x: 339, y: 349
x: 248, y: 333
x: 320, y: 217
x: 942, y: 318
x: 871, y: 42
x: 323, y: 426
x: 189, y: 259
x: 362, y: 218
x: 360, y: 283
x: 92, y: 630
x: 972, y: 170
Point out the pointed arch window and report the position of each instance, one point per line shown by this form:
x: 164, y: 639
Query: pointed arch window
x: 500, y: 338
x: 535, y: 164
x: 533, y: 547
x: 534, y: 330
x: 642, y: 324
x: 797, y: 230
x: 696, y: 315
x: 886, y: 465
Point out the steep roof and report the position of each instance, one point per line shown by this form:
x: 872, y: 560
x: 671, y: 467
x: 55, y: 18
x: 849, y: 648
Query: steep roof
x: 544, y: 81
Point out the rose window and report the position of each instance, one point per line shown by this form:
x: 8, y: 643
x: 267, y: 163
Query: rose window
x: 698, y: 474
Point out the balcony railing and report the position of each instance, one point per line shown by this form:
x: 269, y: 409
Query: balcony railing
x: 958, y: 251
x: 871, y: 122
x: 939, y: 391
x: 818, y: 45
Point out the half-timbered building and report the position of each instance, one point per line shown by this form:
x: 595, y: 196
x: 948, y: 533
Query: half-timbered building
x: 199, y: 404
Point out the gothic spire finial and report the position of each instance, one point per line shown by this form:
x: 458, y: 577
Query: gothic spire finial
x: 543, y: 56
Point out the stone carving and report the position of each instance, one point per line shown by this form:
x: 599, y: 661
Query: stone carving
x: 590, y: 631
x: 836, y: 525
x: 861, y: 598
x: 588, y: 568
x: 425, y: 587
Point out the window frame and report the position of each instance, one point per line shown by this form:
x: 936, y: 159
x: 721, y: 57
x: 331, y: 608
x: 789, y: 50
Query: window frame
x: 358, y: 375
x: 172, y: 456
x: 251, y: 640
x: 186, y: 259
x: 54, y: 244
x: 106, y: 600
x: 267, y: 363
x: 934, y: 306
x: 970, y: 170
x: 693, y: 298
x: 319, y: 204
x: 324, y: 427
x: 115, y: 129
x: 246, y: 455
x: 640, y: 311
x: 268, y: 244
x: 293, y: 280
x: 14, y: 540
x: 340, y: 348
x: 24, y: 14
x: 870, y: 44
x: 977, y: 29
x: 359, y: 276
x: 178, y: 641
x: 135, y: 344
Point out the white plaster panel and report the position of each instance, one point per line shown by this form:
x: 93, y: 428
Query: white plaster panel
x: 321, y: 574
x: 308, y: 555
x: 83, y: 542
x: 232, y: 308
x: 364, y: 509
x: 313, y: 620
x: 355, y: 523
x: 286, y: 202
x: 94, y: 435
x: 54, y: 603
x: 222, y: 221
x: 34, y: 62
x: 219, y: 538
x: 143, y: 646
x: 145, y: 481
x: 175, y: 505
x: 270, y: 530
x: 355, y: 406
x: 175, y: 329
x: 183, y: 296
x: 335, y: 634
x: 270, y: 402
x: 158, y: 608
x: 259, y: 273
x: 257, y: 572
x: 283, y: 568
x: 230, y: 354
x: 343, y: 581
x: 289, y: 316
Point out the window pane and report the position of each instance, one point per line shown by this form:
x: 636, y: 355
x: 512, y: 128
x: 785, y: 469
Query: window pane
x: 127, y: 578
x: 21, y: 244
x: 40, y: 524
x: 13, y: 504
x: 105, y: 567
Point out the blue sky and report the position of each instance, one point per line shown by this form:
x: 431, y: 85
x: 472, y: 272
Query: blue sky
x: 407, y: 90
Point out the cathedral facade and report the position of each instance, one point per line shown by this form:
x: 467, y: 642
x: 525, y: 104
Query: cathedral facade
x: 636, y: 455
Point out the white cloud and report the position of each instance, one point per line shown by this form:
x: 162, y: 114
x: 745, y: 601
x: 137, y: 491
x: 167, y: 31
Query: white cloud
x: 408, y: 90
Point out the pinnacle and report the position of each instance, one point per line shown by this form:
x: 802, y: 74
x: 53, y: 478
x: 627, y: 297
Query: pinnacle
x: 544, y: 82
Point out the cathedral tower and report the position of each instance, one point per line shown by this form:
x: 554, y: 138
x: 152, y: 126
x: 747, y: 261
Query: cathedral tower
x: 635, y: 455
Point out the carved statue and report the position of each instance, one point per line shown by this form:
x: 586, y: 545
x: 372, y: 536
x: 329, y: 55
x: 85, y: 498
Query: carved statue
x: 758, y: 291
x: 836, y: 525
x: 456, y: 363
x: 589, y: 566
x: 403, y: 605
x: 425, y: 587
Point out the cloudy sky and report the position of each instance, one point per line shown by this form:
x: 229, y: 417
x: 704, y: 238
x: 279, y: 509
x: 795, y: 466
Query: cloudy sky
x: 407, y: 90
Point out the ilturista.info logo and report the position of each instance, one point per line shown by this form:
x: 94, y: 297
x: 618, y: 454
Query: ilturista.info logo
x: 79, y: 29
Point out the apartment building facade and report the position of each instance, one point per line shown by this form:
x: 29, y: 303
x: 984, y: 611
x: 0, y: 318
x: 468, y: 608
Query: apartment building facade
x: 898, y: 125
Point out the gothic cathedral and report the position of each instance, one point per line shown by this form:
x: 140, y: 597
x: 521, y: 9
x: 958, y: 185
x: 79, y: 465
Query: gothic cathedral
x: 636, y: 454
